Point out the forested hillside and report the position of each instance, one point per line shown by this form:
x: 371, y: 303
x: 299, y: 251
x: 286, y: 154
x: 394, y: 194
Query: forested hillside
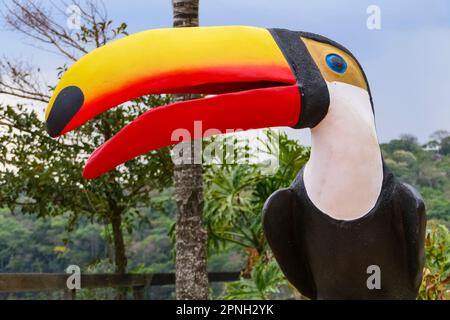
x: 426, y: 167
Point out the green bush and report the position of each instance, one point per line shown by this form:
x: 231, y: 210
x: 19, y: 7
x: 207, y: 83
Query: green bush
x: 265, y: 282
x: 436, y: 274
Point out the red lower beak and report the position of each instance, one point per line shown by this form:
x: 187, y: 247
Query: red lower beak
x: 251, y: 109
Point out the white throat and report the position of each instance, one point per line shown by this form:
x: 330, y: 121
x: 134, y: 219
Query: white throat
x: 344, y: 175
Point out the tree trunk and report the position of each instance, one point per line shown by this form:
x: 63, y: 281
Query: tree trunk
x: 185, y: 13
x: 120, y: 257
x: 191, y: 239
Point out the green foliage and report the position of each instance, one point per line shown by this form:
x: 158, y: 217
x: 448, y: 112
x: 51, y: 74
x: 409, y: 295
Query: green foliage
x: 436, y: 275
x: 43, y: 176
x: 28, y: 244
x: 266, y: 280
x: 438, y: 203
x: 230, y: 204
x: 31, y: 244
x: 426, y: 167
x: 292, y: 157
x: 235, y: 194
x: 440, y: 142
x: 445, y: 146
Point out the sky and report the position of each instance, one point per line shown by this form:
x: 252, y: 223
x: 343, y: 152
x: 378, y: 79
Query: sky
x: 407, y: 61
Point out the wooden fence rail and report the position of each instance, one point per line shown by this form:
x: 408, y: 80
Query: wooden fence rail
x: 34, y: 282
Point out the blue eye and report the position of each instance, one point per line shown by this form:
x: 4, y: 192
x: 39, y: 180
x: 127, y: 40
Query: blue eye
x: 336, y: 63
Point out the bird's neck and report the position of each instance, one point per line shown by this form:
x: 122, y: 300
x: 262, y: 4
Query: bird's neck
x: 344, y: 175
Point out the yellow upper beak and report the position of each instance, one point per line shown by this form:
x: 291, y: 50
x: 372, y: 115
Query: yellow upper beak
x: 203, y: 60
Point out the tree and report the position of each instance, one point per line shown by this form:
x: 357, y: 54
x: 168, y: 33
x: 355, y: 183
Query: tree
x: 191, y: 238
x: 441, y: 139
x: 439, y: 135
x: 409, y: 139
x: 425, y: 167
x: 406, y: 142
x: 235, y: 195
x: 42, y: 175
x: 445, y: 146
x: 440, y: 142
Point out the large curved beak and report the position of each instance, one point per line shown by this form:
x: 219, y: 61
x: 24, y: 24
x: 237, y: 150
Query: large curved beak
x: 243, y: 66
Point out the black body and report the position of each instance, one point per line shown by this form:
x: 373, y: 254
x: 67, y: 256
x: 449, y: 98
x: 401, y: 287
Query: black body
x: 326, y: 258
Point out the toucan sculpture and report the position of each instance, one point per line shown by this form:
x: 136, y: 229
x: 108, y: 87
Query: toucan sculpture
x: 343, y: 216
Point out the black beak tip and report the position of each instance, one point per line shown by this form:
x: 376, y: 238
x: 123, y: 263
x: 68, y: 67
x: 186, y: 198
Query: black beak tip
x: 51, y: 130
x: 68, y: 102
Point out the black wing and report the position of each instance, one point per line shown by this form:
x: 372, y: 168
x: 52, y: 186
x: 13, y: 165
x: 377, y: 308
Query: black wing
x: 280, y: 227
x: 414, y: 224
